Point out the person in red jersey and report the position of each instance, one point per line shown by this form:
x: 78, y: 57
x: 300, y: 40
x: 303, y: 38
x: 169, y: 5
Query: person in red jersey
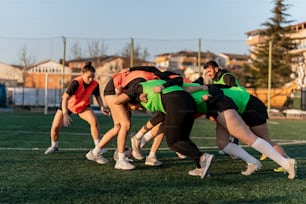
x: 76, y: 100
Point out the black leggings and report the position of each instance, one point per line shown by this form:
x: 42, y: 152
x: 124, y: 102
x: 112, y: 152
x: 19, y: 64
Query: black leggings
x: 180, y: 108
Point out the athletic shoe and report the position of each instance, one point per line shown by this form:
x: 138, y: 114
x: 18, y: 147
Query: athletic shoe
x: 127, y: 153
x: 137, y: 156
x: 206, y: 164
x: 263, y: 157
x: 152, y: 161
x: 251, y: 168
x: 103, y: 150
x: 97, y: 158
x: 51, y: 150
x: 291, y: 169
x: 279, y: 170
x: 181, y: 156
x: 136, y: 151
x: 196, y: 172
x: 124, y: 164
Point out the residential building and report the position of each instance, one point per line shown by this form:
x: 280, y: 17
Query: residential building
x: 232, y: 61
x: 48, y: 74
x: 10, y: 76
x: 299, y: 34
x: 184, y: 62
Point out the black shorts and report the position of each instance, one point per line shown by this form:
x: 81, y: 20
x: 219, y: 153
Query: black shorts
x: 110, y: 88
x: 60, y: 108
x: 157, y: 118
x: 255, y: 112
x: 220, y: 104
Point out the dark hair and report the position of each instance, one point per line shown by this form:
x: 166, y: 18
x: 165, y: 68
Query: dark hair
x: 88, y: 67
x: 211, y: 63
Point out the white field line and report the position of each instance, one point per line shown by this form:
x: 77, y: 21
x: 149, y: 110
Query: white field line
x: 112, y: 149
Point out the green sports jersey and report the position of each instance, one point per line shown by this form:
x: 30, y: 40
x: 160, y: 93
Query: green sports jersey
x: 240, y: 97
x: 238, y: 94
x: 154, y: 103
x: 221, y: 80
x: 197, y: 96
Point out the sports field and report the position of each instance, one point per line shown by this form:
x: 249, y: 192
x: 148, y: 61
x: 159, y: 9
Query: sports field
x: 29, y: 176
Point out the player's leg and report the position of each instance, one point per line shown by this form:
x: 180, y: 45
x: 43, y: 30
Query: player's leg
x: 230, y: 148
x: 121, y: 116
x: 180, y: 108
x: 89, y: 116
x: 56, y: 126
x: 235, y: 125
x: 151, y: 159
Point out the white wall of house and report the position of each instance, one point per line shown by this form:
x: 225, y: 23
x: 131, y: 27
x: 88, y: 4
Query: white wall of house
x: 8, y: 72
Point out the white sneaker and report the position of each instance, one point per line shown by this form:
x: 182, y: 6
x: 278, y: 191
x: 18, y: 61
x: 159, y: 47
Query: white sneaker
x: 152, y: 161
x: 181, y: 156
x: 251, y: 168
x: 137, y: 156
x: 51, y: 150
x: 136, y: 151
x: 97, y: 158
x: 127, y: 153
x: 103, y: 150
x: 206, y: 163
x: 196, y: 172
x: 124, y: 164
x: 291, y: 170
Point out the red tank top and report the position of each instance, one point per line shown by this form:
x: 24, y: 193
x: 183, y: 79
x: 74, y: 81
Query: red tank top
x: 122, y: 79
x: 186, y: 80
x: 79, y: 101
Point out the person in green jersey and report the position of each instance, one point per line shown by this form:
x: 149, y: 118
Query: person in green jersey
x: 179, y: 109
x: 217, y: 105
x: 254, y: 114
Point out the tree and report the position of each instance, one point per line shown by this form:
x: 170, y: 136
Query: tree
x: 76, y: 51
x: 96, y: 49
x: 277, y: 31
x: 140, y: 54
x: 26, y: 59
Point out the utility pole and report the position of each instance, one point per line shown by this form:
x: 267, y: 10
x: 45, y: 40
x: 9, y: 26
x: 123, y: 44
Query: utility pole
x: 199, y: 57
x: 132, y: 53
x: 269, y: 76
x: 63, y: 61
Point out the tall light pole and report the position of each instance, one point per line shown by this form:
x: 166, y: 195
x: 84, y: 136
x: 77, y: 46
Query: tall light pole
x: 199, y: 57
x: 269, y: 76
x: 132, y: 53
x: 63, y: 61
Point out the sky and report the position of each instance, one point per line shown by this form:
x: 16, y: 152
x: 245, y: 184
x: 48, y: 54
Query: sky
x: 159, y: 26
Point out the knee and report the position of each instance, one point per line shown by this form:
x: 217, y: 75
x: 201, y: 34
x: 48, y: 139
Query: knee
x: 116, y: 127
x: 126, y: 125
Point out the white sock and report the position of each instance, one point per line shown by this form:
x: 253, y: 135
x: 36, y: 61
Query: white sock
x: 148, y: 136
x: 264, y: 147
x: 121, y: 156
x: 54, y: 143
x: 96, y: 141
x: 96, y: 150
x: 152, y: 154
x: 237, y: 151
x: 138, y: 135
x: 143, y: 142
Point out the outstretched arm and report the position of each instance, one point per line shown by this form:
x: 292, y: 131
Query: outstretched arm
x: 191, y: 89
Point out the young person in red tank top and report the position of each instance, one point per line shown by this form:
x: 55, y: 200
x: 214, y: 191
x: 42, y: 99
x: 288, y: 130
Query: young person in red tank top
x: 76, y: 100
